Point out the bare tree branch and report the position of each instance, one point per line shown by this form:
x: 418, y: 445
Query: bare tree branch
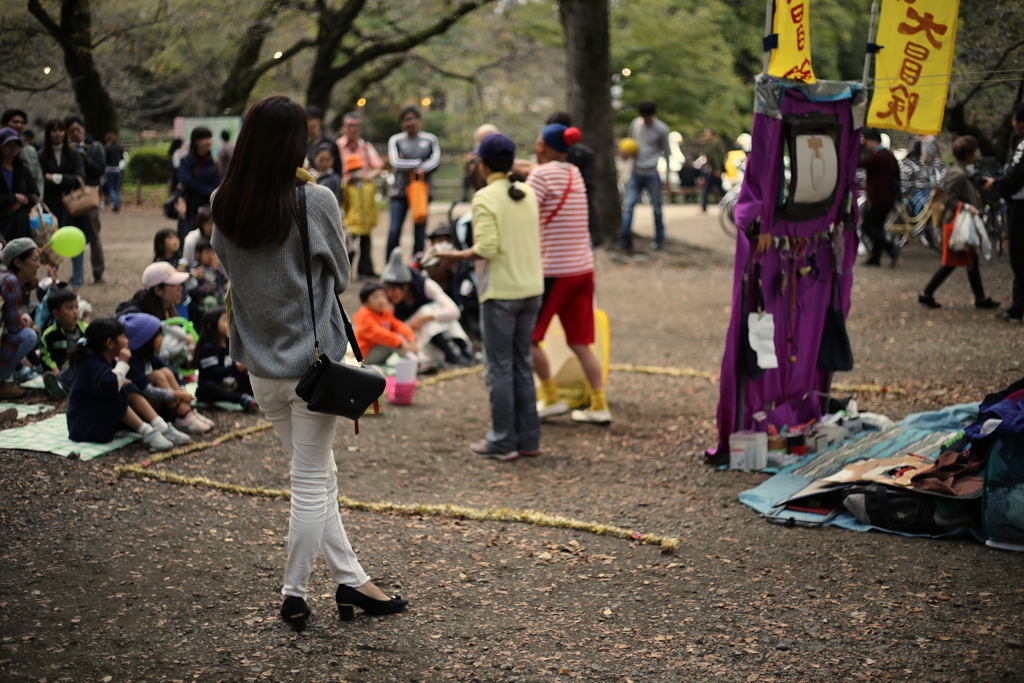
x: 29, y: 88
x: 992, y: 72
x: 403, y: 43
x: 37, y: 10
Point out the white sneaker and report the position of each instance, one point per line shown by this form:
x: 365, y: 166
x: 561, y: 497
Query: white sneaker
x: 205, y: 420
x: 594, y: 417
x: 553, y: 410
x: 157, y: 441
x: 192, y: 423
x: 176, y: 437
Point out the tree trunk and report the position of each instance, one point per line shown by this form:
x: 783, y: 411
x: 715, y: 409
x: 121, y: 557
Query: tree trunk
x: 588, y: 50
x: 74, y: 34
x: 241, y: 79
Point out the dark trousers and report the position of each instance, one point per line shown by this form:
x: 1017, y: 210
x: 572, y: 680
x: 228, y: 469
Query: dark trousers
x: 211, y: 392
x: 399, y: 209
x: 873, y: 225
x: 711, y: 182
x: 973, y: 276
x: 1015, y: 224
x: 365, y: 266
x: 99, y: 263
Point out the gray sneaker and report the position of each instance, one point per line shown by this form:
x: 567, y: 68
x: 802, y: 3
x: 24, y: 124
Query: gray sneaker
x: 175, y: 437
x: 157, y: 441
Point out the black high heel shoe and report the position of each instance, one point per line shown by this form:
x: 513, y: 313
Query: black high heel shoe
x: 348, y: 597
x: 295, y: 611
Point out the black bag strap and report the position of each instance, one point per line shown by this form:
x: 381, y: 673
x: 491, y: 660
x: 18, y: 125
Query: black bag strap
x: 304, y: 233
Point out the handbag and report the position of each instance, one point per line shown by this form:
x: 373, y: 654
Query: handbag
x: 329, y: 386
x: 44, y: 224
x: 418, y: 195
x: 83, y: 200
x: 835, y: 353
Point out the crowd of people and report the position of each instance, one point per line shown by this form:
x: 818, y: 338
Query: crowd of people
x: 287, y: 208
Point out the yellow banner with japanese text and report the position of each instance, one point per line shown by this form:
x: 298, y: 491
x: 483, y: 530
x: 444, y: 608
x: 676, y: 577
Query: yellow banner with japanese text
x: 791, y: 58
x: 913, y: 63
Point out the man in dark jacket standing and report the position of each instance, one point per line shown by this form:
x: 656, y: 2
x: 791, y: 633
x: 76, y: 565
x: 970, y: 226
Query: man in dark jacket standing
x: 883, y: 175
x: 1011, y: 186
x: 94, y: 158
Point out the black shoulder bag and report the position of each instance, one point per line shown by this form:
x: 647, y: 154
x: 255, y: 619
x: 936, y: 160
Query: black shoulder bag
x: 835, y: 353
x: 329, y: 386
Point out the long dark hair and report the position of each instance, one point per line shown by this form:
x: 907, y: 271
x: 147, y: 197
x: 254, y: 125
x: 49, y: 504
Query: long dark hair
x: 160, y: 243
x: 198, y: 133
x: 148, y: 302
x: 96, y: 336
x: 208, y: 333
x: 255, y: 204
x: 47, y: 147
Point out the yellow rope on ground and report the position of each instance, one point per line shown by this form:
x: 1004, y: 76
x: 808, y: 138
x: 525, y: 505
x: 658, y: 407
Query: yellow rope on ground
x: 451, y: 374
x: 668, y: 544
x: 670, y: 372
x: 659, y: 370
x: 203, y: 445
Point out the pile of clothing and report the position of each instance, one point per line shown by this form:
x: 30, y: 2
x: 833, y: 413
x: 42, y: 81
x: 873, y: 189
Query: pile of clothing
x: 957, y: 471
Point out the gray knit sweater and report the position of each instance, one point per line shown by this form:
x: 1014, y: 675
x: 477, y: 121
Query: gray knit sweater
x: 271, y: 332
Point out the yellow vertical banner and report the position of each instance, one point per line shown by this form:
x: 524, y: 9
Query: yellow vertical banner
x: 791, y: 58
x: 913, y: 64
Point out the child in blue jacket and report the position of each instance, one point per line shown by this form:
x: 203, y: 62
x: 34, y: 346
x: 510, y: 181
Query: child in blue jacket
x: 102, y: 400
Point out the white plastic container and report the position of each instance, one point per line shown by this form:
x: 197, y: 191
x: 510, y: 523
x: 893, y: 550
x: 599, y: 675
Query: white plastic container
x: 748, y: 451
x: 405, y: 371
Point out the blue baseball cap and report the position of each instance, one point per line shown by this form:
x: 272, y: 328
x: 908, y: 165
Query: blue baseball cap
x: 8, y: 134
x: 496, y: 147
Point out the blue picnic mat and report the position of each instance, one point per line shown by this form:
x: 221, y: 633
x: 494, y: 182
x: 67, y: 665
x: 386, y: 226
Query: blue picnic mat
x: 922, y: 434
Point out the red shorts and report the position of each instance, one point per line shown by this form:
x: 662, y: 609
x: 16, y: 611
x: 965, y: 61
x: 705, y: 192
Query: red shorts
x: 572, y: 298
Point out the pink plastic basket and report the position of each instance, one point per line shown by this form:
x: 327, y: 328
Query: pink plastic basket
x: 399, y: 394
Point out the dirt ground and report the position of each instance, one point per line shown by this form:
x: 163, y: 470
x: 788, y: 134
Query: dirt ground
x: 126, y: 579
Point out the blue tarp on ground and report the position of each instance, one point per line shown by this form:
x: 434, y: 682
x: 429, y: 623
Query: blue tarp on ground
x: 920, y: 433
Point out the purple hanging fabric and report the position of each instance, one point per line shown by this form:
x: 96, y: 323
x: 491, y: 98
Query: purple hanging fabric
x: 788, y: 395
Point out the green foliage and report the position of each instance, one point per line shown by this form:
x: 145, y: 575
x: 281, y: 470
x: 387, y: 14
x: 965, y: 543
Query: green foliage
x: 148, y: 164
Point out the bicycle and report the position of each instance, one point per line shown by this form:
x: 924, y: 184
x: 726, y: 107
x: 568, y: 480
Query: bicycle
x: 993, y: 215
x: 726, y: 211
x: 904, y: 223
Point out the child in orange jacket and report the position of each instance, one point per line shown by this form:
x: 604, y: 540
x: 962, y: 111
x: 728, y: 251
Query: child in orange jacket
x: 378, y: 332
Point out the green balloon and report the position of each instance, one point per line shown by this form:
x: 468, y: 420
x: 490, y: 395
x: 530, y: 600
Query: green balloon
x: 68, y: 242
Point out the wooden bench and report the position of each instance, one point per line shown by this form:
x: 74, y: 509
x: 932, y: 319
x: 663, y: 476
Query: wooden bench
x: 673, y: 191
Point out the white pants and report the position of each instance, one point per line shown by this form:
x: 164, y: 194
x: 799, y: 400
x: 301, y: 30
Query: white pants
x: 315, y: 525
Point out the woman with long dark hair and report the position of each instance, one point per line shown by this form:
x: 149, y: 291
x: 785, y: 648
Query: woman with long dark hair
x: 257, y: 239
x: 63, y: 171
x: 198, y: 173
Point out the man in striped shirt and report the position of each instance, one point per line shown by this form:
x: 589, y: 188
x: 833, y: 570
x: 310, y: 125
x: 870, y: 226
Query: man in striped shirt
x: 568, y: 266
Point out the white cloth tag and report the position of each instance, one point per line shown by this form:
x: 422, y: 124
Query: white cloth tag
x: 761, y: 335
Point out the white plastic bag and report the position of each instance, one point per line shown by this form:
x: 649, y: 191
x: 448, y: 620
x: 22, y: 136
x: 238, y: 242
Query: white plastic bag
x: 985, y: 246
x: 963, y: 231
x: 761, y: 335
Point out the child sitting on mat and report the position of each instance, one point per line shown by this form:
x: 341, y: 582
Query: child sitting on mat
x: 157, y: 382
x: 103, y: 400
x: 59, y: 338
x: 220, y: 378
